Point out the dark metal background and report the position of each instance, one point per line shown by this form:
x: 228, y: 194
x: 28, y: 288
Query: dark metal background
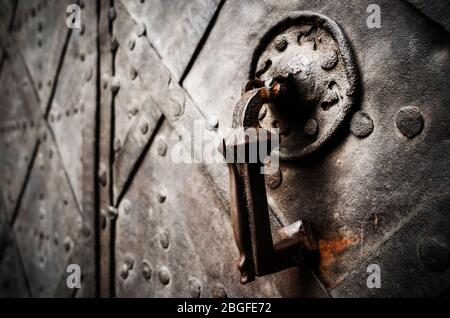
x: 87, y: 178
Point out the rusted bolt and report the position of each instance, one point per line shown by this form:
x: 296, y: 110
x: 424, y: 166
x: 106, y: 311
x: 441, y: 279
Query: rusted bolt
x: 164, y: 275
x: 146, y: 269
x: 274, y: 180
x: 195, y: 287
x: 310, y: 127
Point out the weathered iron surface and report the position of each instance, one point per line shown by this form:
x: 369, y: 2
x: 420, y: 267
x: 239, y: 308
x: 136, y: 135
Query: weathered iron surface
x: 112, y: 96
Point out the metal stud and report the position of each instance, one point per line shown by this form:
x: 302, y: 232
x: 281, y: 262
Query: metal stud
x: 164, y: 275
x: 195, y: 287
x: 161, y: 195
x: 117, y: 145
x: 409, y: 121
x: 147, y: 269
x: 212, y: 122
x: 114, y: 85
x: 361, y: 124
x: 124, y: 271
x: 67, y: 243
x: 144, y: 128
x: 162, y: 147
x: 129, y: 261
x: 164, y: 239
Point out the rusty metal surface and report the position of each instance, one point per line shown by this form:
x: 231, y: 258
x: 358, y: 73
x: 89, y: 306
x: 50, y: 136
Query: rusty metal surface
x: 89, y: 117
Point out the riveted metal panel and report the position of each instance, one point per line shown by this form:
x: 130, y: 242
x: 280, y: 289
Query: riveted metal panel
x: 49, y: 225
x: 174, y: 28
x: 19, y: 123
x: 40, y: 32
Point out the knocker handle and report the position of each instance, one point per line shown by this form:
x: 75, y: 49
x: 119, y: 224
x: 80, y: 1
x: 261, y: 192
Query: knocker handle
x: 258, y: 255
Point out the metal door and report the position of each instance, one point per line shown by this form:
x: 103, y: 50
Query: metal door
x: 92, y: 116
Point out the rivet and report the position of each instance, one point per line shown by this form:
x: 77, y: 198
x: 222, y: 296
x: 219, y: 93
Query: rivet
x: 274, y: 180
x: 195, y: 287
x: 219, y: 291
x: 112, y: 212
x: 129, y: 261
x: 281, y: 44
x: 409, y: 121
x: 124, y: 271
x: 434, y: 254
x: 147, y: 269
x: 162, y: 195
x: 140, y: 29
x: 133, y: 73
x: 212, y: 122
x: 40, y: 26
x: 102, y: 176
x: 117, y: 145
x: 144, y: 128
x: 131, y: 44
x: 329, y: 60
x: 361, y: 124
x: 112, y: 14
x: 67, y: 243
x: 114, y: 45
x: 164, y: 239
x: 126, y: 204
x: 310, y: 127
x: 164, y: 275
x: 114, y: 85
x: 162, y: 147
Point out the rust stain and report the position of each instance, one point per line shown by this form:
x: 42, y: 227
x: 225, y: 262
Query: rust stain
x: 329, y: 249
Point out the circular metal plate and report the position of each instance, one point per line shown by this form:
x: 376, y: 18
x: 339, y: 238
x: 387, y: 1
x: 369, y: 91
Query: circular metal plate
x: 311, y: 53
